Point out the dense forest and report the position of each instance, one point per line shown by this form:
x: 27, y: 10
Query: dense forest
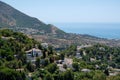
x: 12, y: 54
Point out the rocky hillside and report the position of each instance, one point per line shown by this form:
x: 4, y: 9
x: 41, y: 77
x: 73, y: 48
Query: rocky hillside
x: 12, y: 18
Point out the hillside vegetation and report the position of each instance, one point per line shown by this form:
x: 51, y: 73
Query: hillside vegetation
x: 14, y: 65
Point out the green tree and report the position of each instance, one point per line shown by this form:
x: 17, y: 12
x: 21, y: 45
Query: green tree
x: 30, y: 67
x: 52, y: 67
x: 62, y: 56
x: 46, y: 62
x: 40, y: 46
x: 48, y: 77
x: 37, y: 63
x: 68, y: 75
x: 50, y: 50
x: 15, y: 64
x: 75, y: 66
x: 106, y: 72
x: 65, y: 66
x: 9, y: 74
x: 10, y: 57
x: 20, y: 63
x: 44, y: 53
x: 1, y: 63
x: 99, y: 76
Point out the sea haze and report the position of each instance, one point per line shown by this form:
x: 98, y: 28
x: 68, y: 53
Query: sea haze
x: 103, y: 30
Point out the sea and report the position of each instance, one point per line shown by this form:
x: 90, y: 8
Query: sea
x: 102, y: 30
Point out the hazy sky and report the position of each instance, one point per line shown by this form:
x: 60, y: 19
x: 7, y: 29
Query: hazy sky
x: 70, y: 10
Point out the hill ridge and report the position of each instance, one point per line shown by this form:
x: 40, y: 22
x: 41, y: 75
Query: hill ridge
x: 16, y: 20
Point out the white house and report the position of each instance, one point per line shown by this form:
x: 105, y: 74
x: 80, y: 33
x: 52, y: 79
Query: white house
x: 68, y: 62
x: 85, y: 70
x: 32, y: 54
x: 45, y: 45
x: 78, y: 56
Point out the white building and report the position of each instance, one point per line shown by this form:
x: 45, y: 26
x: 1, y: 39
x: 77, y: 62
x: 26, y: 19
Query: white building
x: 45, y: 45
x: 85, y: 70
x: 78, y: 56
x: 32, y: 54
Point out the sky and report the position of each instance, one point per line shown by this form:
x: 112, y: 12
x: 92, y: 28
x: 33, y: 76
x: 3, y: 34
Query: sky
x: 66, y: 11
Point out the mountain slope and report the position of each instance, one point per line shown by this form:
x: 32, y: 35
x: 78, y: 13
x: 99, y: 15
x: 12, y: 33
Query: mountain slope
x: 18, y: 21
x: 12, y: 18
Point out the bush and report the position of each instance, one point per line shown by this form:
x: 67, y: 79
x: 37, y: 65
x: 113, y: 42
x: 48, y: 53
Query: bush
x: 30, y: 67
x: 52, y: 67
x: 9, y: 74
x: 48, y: 77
